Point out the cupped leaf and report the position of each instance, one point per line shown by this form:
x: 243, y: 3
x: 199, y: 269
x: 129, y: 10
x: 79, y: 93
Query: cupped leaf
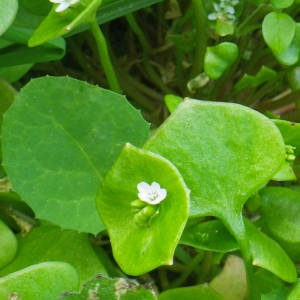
x: 197, y: 292
x: 50, y: 243
x: 218, y: 58
x: 43, y: 281
x: 172, y: 102
x: 9, y: 245
x: 56, y: 24
x: 210, y: 236
x: 295, y: 292
x: 8, y: 12
x: 102, y: 287
x: 224, y: 152
x: 278, y: 31
x: 59, y: 139
x: 138, y: 249
x: 269, y: 255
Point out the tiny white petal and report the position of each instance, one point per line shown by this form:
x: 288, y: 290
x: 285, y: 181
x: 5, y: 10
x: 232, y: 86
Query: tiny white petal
x: 56, y: 1
x: 229, y: 10
x: 73, y: 1
x: 62, y: 6
x: 217, y: 7
x: 212, y: 16
x: 151, y: 194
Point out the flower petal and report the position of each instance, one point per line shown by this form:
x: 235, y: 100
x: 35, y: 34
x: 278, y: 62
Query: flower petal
x: 144, y: 187
x: 62, y: 6
x: 56, y: 1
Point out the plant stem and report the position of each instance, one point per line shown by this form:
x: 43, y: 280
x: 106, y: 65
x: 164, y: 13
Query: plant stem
x: 200, y: 24
x: 188, y: 270
x: 146, y: 56
x: 104, y: 57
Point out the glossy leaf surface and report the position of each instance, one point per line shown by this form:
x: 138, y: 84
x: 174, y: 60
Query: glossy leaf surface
x: 50, y: 243
x: 225, y: 152
x: 58, y: 143
x: 137, y: 249
x: 43, y: 281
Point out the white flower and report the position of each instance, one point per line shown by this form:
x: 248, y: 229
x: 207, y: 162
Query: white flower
x: 151, y: 194
x: 64, y: 4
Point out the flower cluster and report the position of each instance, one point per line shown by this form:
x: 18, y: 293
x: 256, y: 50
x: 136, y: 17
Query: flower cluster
x: 224, y: 11
x: 63, y: 4
x: 151, y: 194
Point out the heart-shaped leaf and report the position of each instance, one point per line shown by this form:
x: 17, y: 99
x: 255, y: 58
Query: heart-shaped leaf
x: 60, y: 137
x: 139, y: 249
x: 278, y: 31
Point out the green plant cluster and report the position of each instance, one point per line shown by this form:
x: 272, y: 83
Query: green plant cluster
x: 187, y: 188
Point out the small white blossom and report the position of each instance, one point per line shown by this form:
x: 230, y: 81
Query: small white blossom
x: 64, y: 4
x: 224, y: 11
x: 151, y: 194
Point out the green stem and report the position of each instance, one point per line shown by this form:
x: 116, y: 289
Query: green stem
x: 104, y: 57
x: 188, y: 270
x: 200, y: 24
x: 146, y: 55
x: 235, y: 225
x: 206, y: 267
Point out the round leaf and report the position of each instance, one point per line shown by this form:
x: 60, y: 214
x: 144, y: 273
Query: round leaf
x: 137, y: 249
x: 225, y: 153
x: 278, y: 31
x: 60, y: 137
x: 218, y: 58
x: 8, y: 11
x: 279, y: 4
x: 50, y: 243
x: 43, y: 281
x: 9, y: 245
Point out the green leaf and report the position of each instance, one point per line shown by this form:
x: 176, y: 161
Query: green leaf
x: 38, y: 7
x: 9, y: 245
x: 269, y: 255
x: 225, y: 153
x: 14, y: 73
x: 291, y: 55
x: 197, y: 292
x: 278, y: 31
x: 50, y: 243
x: 210, y: 236
x: 8, y: 12
x: 295, y: 292
x: 280, y: 4
x: 291, y: 133
x: 102, y: 287
x: 185, y: 42
x: 18, y: 53
x: 43, y: 281
x: 286, y: 173
x: 137, y: 249
x: 172, y: 102
x: 219, y: 58
x: 280, y: 217
x: 58, y: 24
x: 59, y: 139
x: 263, y: 75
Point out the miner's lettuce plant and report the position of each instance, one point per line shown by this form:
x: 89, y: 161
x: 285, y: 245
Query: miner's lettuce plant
x: 176, y: 178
